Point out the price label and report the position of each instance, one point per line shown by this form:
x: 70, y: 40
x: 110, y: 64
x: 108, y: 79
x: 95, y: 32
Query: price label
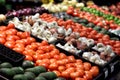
x: 106, y: 72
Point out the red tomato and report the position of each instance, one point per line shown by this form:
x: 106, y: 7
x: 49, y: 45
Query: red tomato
x: 73, y: 75
x: 57, y: 73
x: 10, y: 26
x: 61, y: 68
x: 10, y: 44
x: 53, y: 66
x: 28, y: 57
x: 71, y: 58
x: 87, y: 66
x: 65, y: 74
x: 94, y: 71
x: 2, y: 40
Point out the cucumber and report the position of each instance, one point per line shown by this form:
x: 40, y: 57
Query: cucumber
x: 7, y: 71
x: 49, y: 75
x: 104, y: 31
x: 20, y: 77
x: 18, y: 70
x: 29, y: 75
x: 60, y: 78
x: 36, y: 70
x: 27, y: 64
x: 5, y: 65
x: 40, y: 78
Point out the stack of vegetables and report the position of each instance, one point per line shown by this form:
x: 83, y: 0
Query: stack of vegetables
x: 44, y: 54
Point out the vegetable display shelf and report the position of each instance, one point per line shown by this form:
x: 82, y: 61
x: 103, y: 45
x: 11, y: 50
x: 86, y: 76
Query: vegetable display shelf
x: 6, y: 54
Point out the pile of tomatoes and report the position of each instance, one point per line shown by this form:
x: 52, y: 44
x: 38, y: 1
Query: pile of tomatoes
x: 47, y: 55
x: 100, y: 21
x: 84, y: 31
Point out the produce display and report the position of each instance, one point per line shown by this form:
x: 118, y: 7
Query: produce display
x: 26, y: 11
x: 85, y: 32
x: 84, y: 21
x: 50, y: 32
x: 61, y: 40
x: 62, y: 6
x: 115, y: 8
x: 27, y: 71
x: 44, y: 54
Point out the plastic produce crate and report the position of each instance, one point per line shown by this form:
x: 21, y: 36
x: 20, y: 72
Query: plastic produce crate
x: 8, y: 55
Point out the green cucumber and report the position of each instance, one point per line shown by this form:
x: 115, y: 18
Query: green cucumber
x: 40, y: 78
x: 60, y: 78
x: 18, y: 70
x: 27, y: 64
x: 29, y: 75
x: 20, y: 77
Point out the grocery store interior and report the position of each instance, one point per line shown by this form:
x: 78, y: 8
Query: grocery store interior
x: 59, y: 39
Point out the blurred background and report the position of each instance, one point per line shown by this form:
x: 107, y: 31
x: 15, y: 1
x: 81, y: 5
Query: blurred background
x: 7, y: 5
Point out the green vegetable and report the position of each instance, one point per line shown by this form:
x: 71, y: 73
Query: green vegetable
x: 20, y: 77
x: 49, y: 75
x: 29, y: 75
x: 18, y: 70
x: 97, y: 28
x: 60, y: 78
x: 40, y: 78
x: 90, y: 25
x: 36, y: 70
x: 7, y: 71
x: 5, y: 65
x: 27, y: 64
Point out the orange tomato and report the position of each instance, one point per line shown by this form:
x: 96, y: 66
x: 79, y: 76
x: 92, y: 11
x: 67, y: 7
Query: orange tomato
x: 28, y: 57
x: 94, y: 71
x: 2, y: 40
x: 61, y: 68
x: 87, y: 66
x: 58, y: 73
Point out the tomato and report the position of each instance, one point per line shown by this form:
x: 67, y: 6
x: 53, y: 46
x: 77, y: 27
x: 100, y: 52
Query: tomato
x: 94, y: 71
x: 62, y: 56
x: 53, y: 66
x: 11, y: 32
x: 28, y: 57
x: 70, y: 65
x: 87, y: 66
x: 74, y: 75
x: 81, y: 72
x: 44, y: 64
x: 65, y: 74
x: 18, y: 49
x: 71, y: 58
x: 79, y: 78
x: 61, y: 68
x: 69, y: 11
x: 57, y: 73
x: 2, y: 40
x: 71, y: 69
x: 10, y: 26
x: 80, y: 66
x: 3, y: 34
x: 88, y: 75
x: 3, y: 28
x: 79, y: 61
x: 56, y: 57
x: 10, y: 44
x: 44, y: 43
x: 30, y: 40
x: 20, y: 42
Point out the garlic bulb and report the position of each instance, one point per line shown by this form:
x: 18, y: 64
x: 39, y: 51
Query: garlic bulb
x: 78, y: 5
x: 90, y: 42
x: 61, y: 30
x: 52, y: 39
x: 2, y: 17
x: 68, y: 32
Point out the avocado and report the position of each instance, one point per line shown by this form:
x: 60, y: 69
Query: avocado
x: 60, y: 78
x: 7, y: 72
x: 97, y: 28
x: 18, y: 70
x: 5, y: 65
x: 40, y: 78
x: 48, y: 75
x: 29, y: 75
x: 90, y: 25
x: 104, y: 31
x: 27, y: 64
x: 20, y: 77
x: 36, y: 70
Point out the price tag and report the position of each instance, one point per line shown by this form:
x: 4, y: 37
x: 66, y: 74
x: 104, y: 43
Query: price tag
x: 106, y: 72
